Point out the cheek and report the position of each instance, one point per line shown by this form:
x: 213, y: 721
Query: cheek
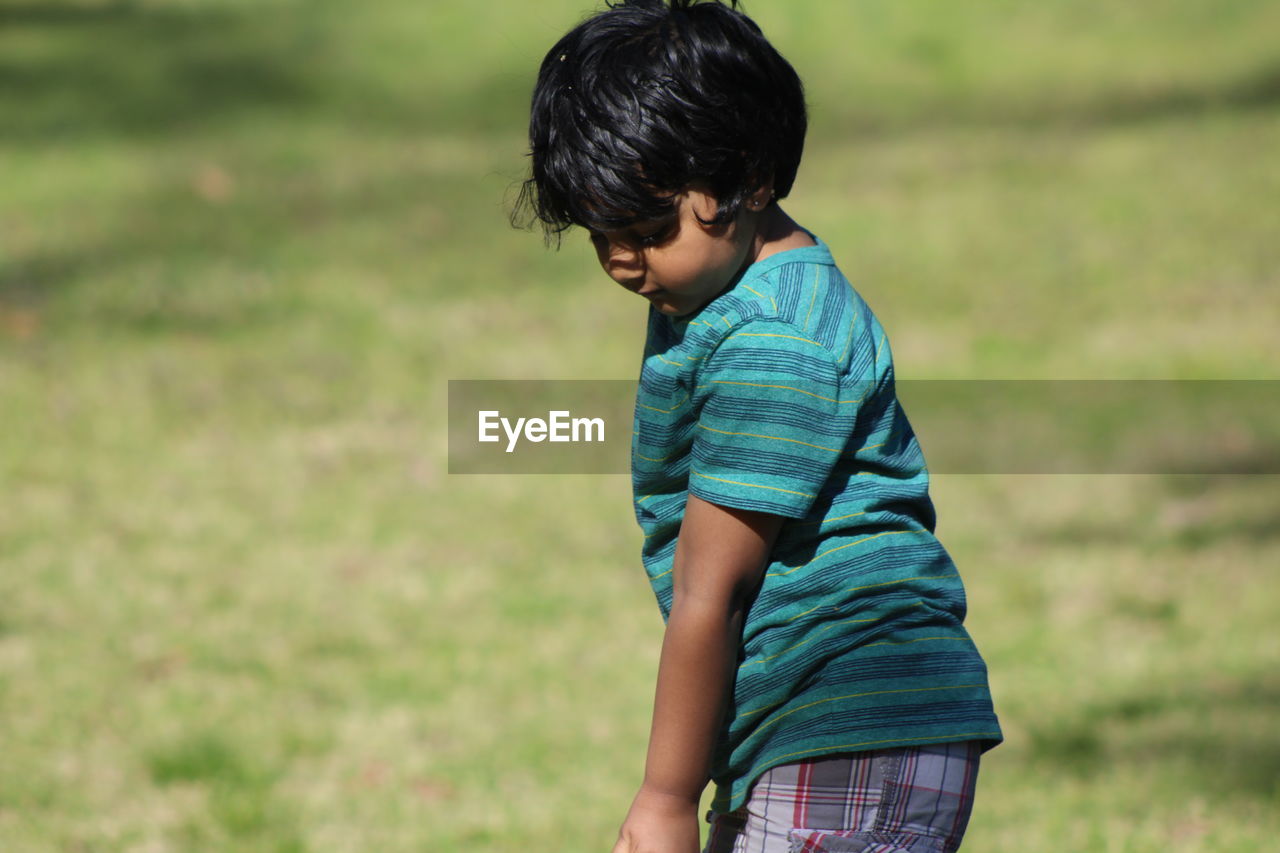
x: 710, y: 264
x: 719, y: 264
x: 676, y: 273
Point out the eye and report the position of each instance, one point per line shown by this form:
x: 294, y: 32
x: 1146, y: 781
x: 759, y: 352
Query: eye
x: 655, y: 238
x: 635, y: 237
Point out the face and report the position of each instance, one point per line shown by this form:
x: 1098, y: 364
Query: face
x: 678, y: 263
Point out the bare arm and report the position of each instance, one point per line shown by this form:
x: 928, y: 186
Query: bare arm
x: 719, y: 558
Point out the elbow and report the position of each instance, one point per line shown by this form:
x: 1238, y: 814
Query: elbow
x: 744, y: 591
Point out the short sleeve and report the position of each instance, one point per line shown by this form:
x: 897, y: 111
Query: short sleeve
x: 772, y: 422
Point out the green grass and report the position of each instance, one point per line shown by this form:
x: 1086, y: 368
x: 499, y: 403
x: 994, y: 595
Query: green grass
x: 242, y: 248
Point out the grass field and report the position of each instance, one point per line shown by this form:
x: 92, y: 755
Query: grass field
x: 243, y: 246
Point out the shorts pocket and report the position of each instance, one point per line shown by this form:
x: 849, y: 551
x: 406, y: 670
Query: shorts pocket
x: 842, y: 841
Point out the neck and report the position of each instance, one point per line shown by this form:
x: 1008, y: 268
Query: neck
x: 774, y: 232
x: 777, y: 232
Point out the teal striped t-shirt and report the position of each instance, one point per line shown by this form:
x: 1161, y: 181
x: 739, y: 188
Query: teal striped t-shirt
x: 778, y: 396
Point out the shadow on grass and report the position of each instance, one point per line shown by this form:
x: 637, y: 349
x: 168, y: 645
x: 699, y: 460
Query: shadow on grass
x: 1218, y: 729
x: 126, y: 69
x: 85, y: 72
x: 122, y: 69
x: 1259, y: 90
x: 1197, y: 511
x: 151, y: 255
x: 1222, y: 731
x: 1125, y: 104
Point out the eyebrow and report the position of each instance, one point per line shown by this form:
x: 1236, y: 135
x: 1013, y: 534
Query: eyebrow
x: 644, y: 226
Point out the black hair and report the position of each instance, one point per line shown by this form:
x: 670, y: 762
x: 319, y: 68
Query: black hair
x: 645, y: 98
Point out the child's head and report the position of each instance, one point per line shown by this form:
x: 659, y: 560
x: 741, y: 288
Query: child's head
x: 644, y: 100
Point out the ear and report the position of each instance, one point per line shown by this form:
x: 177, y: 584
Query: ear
x: 760, y: 196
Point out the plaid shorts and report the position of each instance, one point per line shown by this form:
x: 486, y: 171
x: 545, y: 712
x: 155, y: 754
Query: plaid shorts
x: 904, y: 800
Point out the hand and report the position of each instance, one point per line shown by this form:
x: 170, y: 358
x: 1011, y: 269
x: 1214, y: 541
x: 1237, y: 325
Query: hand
x: 659, y: 823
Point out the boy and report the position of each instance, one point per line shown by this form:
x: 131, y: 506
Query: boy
x: 814, y: 663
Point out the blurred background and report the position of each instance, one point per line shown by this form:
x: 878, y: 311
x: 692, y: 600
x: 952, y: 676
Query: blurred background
x: 244, y: 245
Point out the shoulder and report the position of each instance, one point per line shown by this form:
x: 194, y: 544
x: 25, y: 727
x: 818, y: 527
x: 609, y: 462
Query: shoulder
x: 806, y: 296
x: 763, y: 356
x: 770, y: 334
x: 796, y: 301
